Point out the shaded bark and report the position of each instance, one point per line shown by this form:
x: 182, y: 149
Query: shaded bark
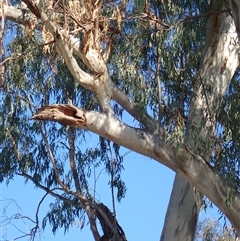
x: 182, y: 212
x: 235, y: 9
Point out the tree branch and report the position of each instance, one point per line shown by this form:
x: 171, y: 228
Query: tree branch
x: 189, y: 165
x: 116, y: 94
x: 47, y: 190
x: 87, y: 205
x: 71, y: 138
x: 235, y: 8
x: 131, y: 108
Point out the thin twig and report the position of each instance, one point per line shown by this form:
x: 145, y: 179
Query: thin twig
x: 49, y: 191
x: 187, y: 18
x: 112, y: 173
x: 3, y: 67
x: 71, y: 139
x: 19, y: 56
x: 159, y: 87
x: 26, y: 100
x: 112, y: 166
x: 66, y: 94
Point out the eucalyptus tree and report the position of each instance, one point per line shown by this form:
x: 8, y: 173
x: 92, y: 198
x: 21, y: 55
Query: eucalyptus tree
x: 170, y: 64
x: 209, y: 229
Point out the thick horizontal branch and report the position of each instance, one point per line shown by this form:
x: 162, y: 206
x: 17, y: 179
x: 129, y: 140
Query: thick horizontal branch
x: 189, y: 165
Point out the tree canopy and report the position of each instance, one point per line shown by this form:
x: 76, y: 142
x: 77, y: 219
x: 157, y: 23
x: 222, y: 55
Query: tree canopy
x: 209, y: 229
x: 72, y: 66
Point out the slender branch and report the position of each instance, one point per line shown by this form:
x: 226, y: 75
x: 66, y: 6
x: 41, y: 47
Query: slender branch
x: 71, y: 137
x: 65, y: 18
x: 60, y: 182
x: 47, y: 190
x: 92, y: 221
x: 22, y: 55
x: 19, y: 216
x: 159, y: 87
x: 86, y: 204
x: 25, y: 99
x: 34, y: 229
x: 112, y: 172
x: 66, y: 94
x: 3, y: 67
x: 95, y: 181
x: 130, y: 107
x: 204, y: 15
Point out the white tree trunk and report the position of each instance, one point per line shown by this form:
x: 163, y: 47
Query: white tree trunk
x: 179, y: 213
x: 217, y: 69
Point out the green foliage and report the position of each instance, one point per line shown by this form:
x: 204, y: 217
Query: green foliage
x: 64, y: 214
x: 227, y: 142
x: 212, y: 230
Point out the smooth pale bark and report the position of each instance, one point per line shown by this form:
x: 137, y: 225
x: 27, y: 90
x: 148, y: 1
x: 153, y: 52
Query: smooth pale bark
x: 218, y: 66
x: 189, y: 165
x: 185, y: 202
